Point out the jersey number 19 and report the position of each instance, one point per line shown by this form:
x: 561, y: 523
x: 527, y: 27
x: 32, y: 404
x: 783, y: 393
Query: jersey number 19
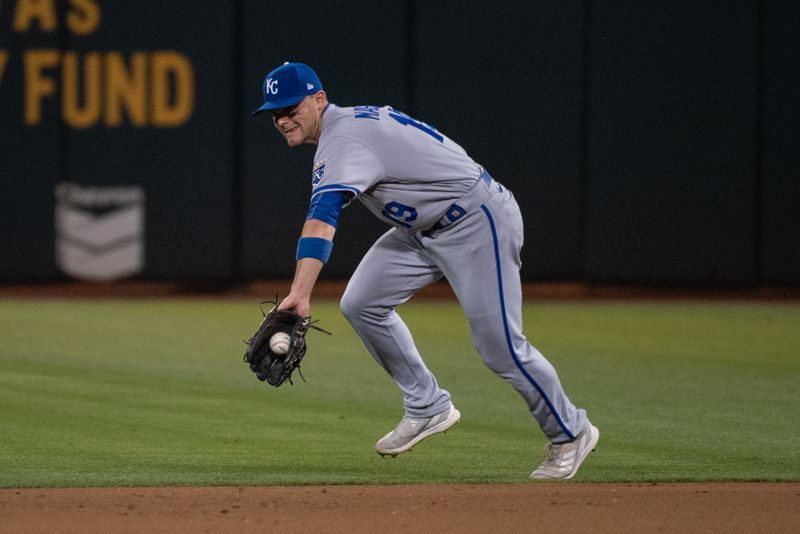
x: 405, y: 120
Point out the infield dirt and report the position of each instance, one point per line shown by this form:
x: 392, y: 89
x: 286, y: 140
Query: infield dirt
x: 509, y: 508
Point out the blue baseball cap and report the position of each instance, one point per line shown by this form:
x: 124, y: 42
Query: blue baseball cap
x: 288, y: 85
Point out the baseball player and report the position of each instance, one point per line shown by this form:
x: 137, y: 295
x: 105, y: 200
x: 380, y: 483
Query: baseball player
x: 449, y: 218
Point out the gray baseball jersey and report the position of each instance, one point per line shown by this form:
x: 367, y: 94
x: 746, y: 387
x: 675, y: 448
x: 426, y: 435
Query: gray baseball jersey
x: 404, y: 171
x: 450, y: 219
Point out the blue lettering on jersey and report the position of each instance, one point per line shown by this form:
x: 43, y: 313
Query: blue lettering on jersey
x: 373, y: 112
x: 367, y: 112
x: 405, y: 120
x: 400, y: 213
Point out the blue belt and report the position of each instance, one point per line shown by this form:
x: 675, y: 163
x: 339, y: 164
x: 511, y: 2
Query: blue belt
x: 483, y: 189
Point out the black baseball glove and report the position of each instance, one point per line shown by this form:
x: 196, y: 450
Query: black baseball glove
x: 266, y: 364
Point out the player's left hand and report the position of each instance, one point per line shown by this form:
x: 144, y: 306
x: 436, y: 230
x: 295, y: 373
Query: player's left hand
x: 277, y: 368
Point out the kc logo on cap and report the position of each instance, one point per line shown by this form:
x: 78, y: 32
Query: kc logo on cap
x: 270, y: 86
x: 287, y: 85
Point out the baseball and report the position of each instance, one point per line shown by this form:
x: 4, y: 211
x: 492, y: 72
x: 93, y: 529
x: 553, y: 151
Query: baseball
x: 279, y: 343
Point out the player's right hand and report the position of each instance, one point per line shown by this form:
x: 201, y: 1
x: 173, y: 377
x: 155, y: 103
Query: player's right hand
x: 296, y: 303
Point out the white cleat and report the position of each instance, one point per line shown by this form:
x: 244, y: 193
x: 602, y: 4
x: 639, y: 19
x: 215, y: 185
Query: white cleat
x: 411, y: 431
x: 564, y: 459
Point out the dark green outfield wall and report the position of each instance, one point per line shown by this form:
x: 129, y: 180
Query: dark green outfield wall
x: 646, y: 142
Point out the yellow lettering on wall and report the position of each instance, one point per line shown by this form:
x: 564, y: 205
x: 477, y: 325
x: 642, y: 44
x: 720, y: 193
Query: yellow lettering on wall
x: 126, y: 89
x: 173, y: 89
x: 3, y: 63
x: 83, y: 17
x: 37, y: 85
x: 108, y: 88
x: 76, y: 113
x: 42, y: 11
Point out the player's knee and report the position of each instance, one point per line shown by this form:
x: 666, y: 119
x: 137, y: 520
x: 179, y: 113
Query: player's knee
x: 353, y: 305
x: 492, y: 346
x: 357, y: 306
x: 499, y: 361
x: 348, y: 306
x: 492, y: 354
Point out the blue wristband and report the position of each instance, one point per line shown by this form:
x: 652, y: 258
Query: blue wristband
x: 314, y: 247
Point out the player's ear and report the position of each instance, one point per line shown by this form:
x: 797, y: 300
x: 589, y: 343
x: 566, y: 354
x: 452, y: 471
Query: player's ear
x: 321, y: 99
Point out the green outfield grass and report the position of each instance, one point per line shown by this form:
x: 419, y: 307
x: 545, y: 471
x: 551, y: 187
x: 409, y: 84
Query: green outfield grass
x: 154, y: 392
